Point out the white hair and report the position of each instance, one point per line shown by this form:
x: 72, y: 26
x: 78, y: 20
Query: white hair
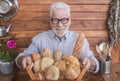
x: 59, y: 5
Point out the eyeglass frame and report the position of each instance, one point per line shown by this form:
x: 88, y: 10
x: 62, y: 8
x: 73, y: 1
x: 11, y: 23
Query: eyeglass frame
x: 58, y: 20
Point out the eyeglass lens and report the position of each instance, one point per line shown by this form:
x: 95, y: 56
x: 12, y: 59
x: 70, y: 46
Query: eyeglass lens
x: 56, y: 21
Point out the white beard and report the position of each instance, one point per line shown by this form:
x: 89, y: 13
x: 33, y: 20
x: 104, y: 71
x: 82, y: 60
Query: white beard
x: 60, y: 33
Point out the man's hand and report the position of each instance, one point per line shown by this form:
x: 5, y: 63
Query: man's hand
x: 89, y: 63
x: 23, y: 61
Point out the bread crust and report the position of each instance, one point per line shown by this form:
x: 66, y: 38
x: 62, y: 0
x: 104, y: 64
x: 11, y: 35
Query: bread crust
x: 47, y: 52
x: 36, y: 66
x: 52, y: 73
x: 36, y: 56
x: 62, y: 67
x: 70, y: 74
x: 57, y: 56
x: 46, y: 62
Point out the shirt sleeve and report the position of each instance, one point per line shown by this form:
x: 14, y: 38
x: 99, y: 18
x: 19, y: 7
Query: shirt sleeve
x: 28, y: 51
x: 86, y: 52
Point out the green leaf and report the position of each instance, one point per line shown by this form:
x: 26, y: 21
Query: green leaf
x: 6, y: 54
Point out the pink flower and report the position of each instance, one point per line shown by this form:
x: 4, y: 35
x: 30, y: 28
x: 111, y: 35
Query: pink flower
x: 11, y: 44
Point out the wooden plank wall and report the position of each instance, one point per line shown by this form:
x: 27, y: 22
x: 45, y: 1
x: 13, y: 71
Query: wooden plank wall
x: 89, y: 16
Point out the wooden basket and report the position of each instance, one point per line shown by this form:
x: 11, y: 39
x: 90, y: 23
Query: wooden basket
x: 32, y: 76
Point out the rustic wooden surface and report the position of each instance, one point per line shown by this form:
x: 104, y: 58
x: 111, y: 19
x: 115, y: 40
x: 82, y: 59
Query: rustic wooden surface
x: 6, y: 77
x: 116, y: 53
x: 22, y: 75
x: 114, y: 75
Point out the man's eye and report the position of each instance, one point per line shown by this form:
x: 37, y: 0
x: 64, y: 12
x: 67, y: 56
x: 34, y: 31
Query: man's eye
x: 54, y: 19
x: 65, y: 19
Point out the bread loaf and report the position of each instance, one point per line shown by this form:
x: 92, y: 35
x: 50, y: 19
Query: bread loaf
x: 52, y: 73
x: 62, y: 67
x: 46, y: 62
x: 57, y: 55
x: 46, y: 52
x: 36, y: 66
x: 73, y: 67
x: 35, y: 56
x: 71, y: 61
x: 70, y: 74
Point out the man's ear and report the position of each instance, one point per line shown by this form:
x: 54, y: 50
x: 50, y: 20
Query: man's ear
x: 70, y: 21
x: 50, y: 21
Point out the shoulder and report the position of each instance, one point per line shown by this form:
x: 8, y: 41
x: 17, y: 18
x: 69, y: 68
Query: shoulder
x: 72, y: 33
x: 41, y: 36
x: 76, y: 33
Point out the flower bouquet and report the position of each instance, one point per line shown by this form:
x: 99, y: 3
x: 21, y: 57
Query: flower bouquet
x: 7, y: 50
x: 7, y: 56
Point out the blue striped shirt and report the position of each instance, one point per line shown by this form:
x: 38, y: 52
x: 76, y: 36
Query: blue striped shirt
x: 66, y: 45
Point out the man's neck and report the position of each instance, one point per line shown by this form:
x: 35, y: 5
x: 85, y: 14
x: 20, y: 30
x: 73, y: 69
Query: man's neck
x: 60, y: 38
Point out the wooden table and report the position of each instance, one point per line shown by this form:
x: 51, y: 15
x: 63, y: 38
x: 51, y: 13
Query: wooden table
x: 114, y: 75
x: 22, y: 75
x: 6, y: 77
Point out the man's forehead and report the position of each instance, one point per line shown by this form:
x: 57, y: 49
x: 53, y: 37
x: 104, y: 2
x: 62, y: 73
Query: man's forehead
x: 60, y: 13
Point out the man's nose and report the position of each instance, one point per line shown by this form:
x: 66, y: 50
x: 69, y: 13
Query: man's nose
x: 60, y: 23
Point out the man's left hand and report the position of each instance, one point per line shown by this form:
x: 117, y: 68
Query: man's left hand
x: 89, y: 63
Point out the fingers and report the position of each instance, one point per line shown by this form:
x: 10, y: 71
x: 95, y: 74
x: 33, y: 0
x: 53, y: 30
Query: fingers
x: 31, y: 65
x: 86, y: 62
x: 24, y: 63
x: 26, y: 60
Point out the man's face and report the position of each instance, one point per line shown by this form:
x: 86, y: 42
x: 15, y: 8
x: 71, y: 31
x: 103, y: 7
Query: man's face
x: 60, y: 22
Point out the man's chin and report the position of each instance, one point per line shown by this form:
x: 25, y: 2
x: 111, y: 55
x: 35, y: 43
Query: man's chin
x: 60, y: 34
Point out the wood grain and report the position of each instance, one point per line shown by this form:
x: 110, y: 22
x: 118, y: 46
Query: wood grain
x: 33, y: 25
x: 30, y: 34
x: 6, y: 77
x: 103, y: 2
x: 45, y: 8
x: 75, y: 16
x: 116, y: 53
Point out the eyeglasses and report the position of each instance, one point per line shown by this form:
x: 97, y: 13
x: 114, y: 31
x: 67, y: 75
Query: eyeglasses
x: 56, y: 21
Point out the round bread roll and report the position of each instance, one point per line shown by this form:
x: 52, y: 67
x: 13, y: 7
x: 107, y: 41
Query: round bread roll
x: 35, y: 56
x: 70, y: 74
x: 46, y: 52
x: 72, y: 65
x: 62, y: 67
x: 52, y: 73
x: 46, y: 62
x: 36, y: 66
x: 76, y: 69
x: 57, y: 55
x: 71, y: 61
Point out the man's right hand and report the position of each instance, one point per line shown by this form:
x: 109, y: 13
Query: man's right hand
x: 24, y: 61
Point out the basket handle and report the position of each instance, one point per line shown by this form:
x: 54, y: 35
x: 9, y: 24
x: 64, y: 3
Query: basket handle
x: 30, y: 73
x: 84, y: 70
x: 32, y: 76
